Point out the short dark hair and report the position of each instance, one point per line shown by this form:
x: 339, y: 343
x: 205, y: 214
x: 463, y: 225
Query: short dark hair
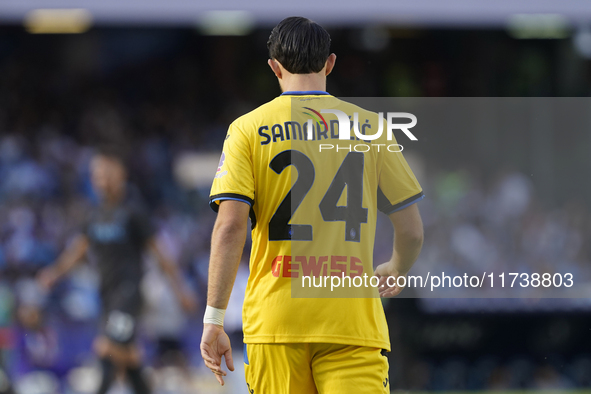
x: 113, y: 152
x: 300, y: 45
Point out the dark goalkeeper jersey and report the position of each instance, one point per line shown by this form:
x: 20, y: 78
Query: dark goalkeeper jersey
x: 117, y: 239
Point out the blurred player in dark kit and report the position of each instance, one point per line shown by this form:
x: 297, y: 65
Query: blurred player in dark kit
x: 117, y: 233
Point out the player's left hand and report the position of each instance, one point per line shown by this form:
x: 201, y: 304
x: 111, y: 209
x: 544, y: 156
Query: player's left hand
x: 383, y: 272
x: 215, y: 344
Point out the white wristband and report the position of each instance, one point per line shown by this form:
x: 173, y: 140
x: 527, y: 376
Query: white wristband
x: 214, y: 316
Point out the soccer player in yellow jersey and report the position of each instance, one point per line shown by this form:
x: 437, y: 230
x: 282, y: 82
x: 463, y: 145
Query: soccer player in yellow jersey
x: 312, y: 198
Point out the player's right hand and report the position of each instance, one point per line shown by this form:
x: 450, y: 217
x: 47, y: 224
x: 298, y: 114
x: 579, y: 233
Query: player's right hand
x: 215, y: 344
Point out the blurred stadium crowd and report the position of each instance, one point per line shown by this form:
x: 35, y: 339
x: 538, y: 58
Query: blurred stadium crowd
x: 161, y: 98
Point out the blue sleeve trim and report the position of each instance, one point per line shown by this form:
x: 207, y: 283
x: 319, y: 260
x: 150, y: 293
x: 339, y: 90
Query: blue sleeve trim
x: 403, y: 204
x: 235, y: 197
x: 228, y: 196
x: 231, y: 198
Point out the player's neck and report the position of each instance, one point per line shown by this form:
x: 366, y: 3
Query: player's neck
x: 113, y: 200
x: 303, y: 83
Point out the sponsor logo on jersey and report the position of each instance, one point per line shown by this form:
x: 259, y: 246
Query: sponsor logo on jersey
x: 294, y: 266
x: 108, y: 232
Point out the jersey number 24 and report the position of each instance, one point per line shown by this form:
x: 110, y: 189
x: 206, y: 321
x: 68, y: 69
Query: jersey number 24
x: 349, y: 174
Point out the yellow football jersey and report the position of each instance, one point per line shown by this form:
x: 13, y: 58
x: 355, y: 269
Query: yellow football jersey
x: 314, y: 200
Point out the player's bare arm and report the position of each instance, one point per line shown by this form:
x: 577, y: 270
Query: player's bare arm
x: 69, y: 258
x: 227, y: 242
x: 408, y: 241
x: 184, y: 296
